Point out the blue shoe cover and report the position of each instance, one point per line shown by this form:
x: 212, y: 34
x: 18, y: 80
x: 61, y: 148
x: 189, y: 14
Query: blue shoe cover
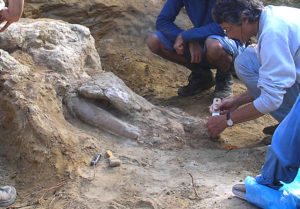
x: 287, y: 197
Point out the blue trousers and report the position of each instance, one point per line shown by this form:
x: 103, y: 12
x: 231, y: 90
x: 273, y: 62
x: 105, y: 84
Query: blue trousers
x: 283, y: 156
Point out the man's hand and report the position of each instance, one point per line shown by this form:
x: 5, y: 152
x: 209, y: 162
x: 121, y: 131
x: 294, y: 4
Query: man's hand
x: 228, y: 105
x: 216, y: 125
x: 12, y: 13
x: 179, y: 45
x: 196, y: 52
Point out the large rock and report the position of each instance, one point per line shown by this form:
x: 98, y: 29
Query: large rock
x: 58, y: 108
x: 51, y: 60
x: 59, y: 47
x: 40, y: 61
x: 120, y: 29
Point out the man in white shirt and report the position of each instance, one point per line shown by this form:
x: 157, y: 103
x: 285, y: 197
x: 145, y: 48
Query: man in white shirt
x: 271, y: 72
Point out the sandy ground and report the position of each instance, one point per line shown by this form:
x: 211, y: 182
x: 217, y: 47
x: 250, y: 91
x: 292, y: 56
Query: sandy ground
x: 150, y: 176
x: 156, y: 177
x: 6, y: 172
x: 153, y: 177
x: 160, y: 179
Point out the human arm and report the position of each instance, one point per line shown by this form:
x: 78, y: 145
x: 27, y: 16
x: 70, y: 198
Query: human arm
x: 12, y: 13
x: 217, y: 124
x: 202, y: 32
x: 165, y: 20
x: 231, y: 104
x: 196, y: 50
x: 179, y: 45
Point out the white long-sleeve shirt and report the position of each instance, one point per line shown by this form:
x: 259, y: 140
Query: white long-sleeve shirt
x: 279, y: 55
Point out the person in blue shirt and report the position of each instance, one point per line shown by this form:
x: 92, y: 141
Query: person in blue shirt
x: 9, y: 14
x: 200, y: 48
x: 271, y: 72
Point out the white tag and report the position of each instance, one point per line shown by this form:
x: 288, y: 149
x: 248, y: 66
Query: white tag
x: 215, y: 110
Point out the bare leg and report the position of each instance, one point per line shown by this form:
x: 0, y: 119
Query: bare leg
x: 158, y: 48
x: 217, y: 56
x: 201, y: 77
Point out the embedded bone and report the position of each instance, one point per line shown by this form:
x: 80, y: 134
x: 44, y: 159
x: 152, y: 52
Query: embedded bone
x: 93, y: 115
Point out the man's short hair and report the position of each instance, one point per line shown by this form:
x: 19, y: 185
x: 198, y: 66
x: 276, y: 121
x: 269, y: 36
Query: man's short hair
x: 231, y: 11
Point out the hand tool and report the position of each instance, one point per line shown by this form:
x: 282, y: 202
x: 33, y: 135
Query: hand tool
x: 113, y: 161
x: 96, y: 159
x: 215, y: 109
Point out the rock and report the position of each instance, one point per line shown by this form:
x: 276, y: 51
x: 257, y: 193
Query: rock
x: 120, y: 29
x: 111, y: 88
x: 40, y: 60
x: 60, y: 47
x: 53, y: 86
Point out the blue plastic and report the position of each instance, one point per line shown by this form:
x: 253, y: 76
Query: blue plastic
x: 287, y: 197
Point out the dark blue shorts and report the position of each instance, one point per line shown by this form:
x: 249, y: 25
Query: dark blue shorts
x: 232, y: 47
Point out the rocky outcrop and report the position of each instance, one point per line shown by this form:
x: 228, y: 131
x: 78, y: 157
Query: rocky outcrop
x: 120, y: 29
x: 40, y: 61
x: 110, y: 105
x: 56, y: 46
x: 46, y: 64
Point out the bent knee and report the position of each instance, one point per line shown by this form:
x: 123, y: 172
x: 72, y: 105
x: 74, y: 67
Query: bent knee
x: 247, y: 62
x: 213, y: 47
x: 216, y: 54
x: 153, y: 43
x: 238, y: 63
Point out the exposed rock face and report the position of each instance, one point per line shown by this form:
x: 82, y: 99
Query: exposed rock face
x: 46, y: 58
x: 57, y: 46
x: 52, y: 60
x: 141, y: 120
x: 120, y: 29
x: 111, y: 88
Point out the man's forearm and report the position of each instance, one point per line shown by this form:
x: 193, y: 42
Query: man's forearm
x: 202, y: 32
x: 243, y: 98
x: 217, y: 124
x: 245, y: 113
